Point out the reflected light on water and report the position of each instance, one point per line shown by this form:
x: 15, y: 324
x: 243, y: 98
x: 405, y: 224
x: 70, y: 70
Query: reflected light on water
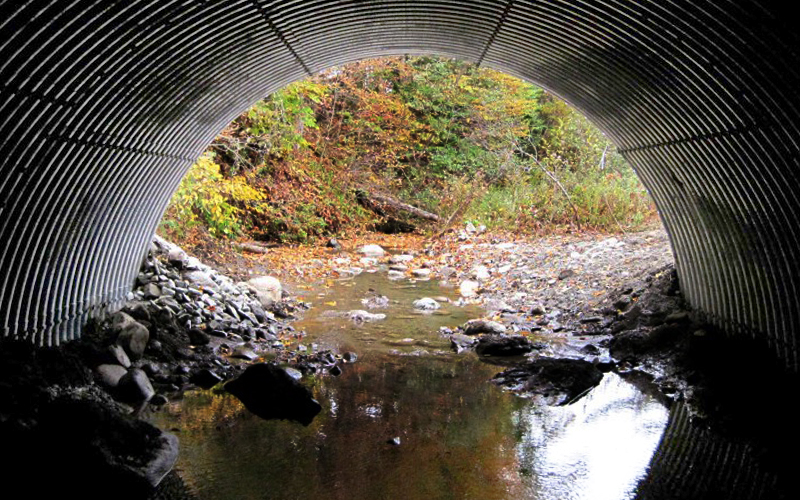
x: 597, y: 448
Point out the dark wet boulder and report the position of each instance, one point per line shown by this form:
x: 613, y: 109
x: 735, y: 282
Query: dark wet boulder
x: 87, y: 449
x: 502, y: 345
x: 198, y: 337
x: 558, y: 381
x: 205, y: 378
x: 135, y: 386
x: 271, y: 393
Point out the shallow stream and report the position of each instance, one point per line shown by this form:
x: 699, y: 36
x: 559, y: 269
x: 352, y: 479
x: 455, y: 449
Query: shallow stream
x: 459, y: 436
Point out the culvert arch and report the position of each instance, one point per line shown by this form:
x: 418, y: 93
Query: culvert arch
x: 104, y: 106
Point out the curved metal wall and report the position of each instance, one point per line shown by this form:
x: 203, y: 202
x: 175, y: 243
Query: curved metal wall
x: 104, y: 105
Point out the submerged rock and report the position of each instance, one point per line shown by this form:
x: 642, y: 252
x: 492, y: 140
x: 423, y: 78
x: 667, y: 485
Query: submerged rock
x: 559, y: 381
x: 478, y: 326
x: 271, y: 393
x: 360, y: 316
x: 426, y: 304
x: 375, y: 301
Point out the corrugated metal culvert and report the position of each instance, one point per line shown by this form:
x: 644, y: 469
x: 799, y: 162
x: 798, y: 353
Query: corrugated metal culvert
x: 105, y: 104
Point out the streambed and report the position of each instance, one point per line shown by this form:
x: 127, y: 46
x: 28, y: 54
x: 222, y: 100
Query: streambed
x: 411, y: 419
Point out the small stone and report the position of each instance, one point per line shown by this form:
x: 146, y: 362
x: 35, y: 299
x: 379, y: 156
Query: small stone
x: 481, y: 273
x: 395, y: 441
x: 267, y: 289
x: 396, y: 275
x: 372, y: 251
x: 334, y: 243
x: 198, y: 337
x: 294, y: 373
x: 151, y: 291
x: 350, y: 357
x: 678, y: 317
x: 469, y: 288
x: 245, y: 353
x: 538, y: 309
x: 360, y: 316
x: 335, y: 371
x: 426, y: 304
x: 110, y: 375
x: 116, y: 355
x: 159, y: 400
x: 400, y: 259
x: 421, y: 273
x: 130, y: 335
x: 205, y: 378
x: 566, y: 273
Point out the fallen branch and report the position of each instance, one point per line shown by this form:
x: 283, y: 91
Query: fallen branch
x: 378, y: 203
x: 255, y: 247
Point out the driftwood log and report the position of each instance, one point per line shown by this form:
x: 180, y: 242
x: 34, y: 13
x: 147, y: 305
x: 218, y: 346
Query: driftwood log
x: 254, y: 247
x: 380, y: 204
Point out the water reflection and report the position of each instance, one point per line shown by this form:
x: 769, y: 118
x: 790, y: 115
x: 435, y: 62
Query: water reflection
x: 461, y: 437
x: 597, y: 448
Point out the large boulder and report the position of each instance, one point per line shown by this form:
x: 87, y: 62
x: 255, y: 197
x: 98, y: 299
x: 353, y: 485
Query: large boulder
x: 267, y: 289
x: 271, y: 393
x: 131, y: 335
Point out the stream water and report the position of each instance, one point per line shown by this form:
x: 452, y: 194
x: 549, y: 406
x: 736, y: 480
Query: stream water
x: 460, y: 437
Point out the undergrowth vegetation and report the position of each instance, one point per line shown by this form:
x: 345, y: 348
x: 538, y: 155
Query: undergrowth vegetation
x: 463, y: 142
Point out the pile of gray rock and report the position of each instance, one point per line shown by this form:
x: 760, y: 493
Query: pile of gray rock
x: 188, y: 325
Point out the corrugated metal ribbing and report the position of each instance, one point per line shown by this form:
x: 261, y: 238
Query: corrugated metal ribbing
x: 103, y: 106
x: 692, y: 463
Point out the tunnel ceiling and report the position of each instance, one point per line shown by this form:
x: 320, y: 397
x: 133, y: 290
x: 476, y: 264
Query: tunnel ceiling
x: 104, y: 105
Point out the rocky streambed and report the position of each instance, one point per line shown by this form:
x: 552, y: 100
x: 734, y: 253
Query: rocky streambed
x: 377, y: 354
